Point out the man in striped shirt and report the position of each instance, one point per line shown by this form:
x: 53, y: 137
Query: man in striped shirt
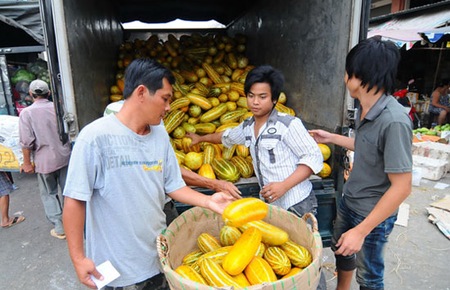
x: 284, y: 154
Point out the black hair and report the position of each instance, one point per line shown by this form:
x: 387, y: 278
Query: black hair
x: 375, y: 63
x: 442, y: 83
x: 265, y: 74
x: 147, y: 72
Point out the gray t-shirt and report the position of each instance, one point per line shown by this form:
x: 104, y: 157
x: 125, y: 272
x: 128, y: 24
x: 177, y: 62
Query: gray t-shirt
x: 123, y: 177
x: 382, y: 145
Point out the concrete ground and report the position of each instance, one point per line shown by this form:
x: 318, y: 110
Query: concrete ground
x: 417, y: 256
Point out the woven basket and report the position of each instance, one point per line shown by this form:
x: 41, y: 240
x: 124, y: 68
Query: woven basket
x: 180, y: 238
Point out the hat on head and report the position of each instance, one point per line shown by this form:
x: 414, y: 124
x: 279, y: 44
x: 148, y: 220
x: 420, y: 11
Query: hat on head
x: 39, y: 87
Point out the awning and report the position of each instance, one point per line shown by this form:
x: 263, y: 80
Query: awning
x: 434, y: 35
x: 406, y: 29
x: 23, y: 15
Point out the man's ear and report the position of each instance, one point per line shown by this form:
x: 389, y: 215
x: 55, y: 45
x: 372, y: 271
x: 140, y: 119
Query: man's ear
x: 140, y: 91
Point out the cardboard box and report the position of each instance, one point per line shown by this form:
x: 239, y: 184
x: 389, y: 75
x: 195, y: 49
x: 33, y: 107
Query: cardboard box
x: 180, y: 238
x: 432, y: 169
x: 433, y: 150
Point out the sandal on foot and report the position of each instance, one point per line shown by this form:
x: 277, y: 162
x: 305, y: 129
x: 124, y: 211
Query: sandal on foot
x: 53, y: 233
x: 16, y: 220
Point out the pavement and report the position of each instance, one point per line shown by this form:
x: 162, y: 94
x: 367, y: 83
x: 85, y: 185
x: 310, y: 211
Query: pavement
x: 417, y: 256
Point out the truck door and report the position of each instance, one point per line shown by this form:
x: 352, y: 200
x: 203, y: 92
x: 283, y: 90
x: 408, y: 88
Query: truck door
x: 53, y: 66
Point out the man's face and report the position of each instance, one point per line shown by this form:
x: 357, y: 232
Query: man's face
x: 157, y: 105
x: 352, y: 85
x: 259, y: 99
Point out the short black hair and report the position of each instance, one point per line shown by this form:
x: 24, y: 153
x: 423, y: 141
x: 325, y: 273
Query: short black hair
x: 442, y: 83
x: 374, y: 62
x: 147, y: 72
x: 265, y: 74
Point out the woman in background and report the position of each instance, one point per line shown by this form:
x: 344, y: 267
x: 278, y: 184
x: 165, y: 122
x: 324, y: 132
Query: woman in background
x: 440, y: 103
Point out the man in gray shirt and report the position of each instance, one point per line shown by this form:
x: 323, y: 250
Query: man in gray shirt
x: 381, y: 176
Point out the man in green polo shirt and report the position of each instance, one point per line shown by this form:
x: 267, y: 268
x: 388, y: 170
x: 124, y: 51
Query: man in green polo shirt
x: 381, y: 176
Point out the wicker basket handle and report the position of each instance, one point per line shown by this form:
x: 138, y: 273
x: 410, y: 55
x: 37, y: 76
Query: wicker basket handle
x: 306, y: 216
x: 163, y: 249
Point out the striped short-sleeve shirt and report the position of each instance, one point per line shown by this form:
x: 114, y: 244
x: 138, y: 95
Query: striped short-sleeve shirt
x: 282, y: 144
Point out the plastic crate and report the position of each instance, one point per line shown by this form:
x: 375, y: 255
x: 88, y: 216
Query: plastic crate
x: 323, y: 189
x: 326, y: 195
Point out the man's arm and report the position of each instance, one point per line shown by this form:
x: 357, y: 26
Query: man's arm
x: 352, y: 240
x: 27, y: 166
x: 322, y: 136
x: 193, y: 179
x: 215, y: 138
x: 216, y: 202
x: 73, y: 220
x: 274, y: 190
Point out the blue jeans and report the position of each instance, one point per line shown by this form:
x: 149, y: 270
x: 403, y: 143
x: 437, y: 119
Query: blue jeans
x: 308, y: 205
x: 369, y: 262
x: 157, y: 282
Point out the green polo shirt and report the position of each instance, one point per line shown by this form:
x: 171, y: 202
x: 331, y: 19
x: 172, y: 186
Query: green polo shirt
x: 382, y: 145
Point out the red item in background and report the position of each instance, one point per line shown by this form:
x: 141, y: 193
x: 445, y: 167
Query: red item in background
x: 19, y: 107
x: 405, y: 102
x: 401, y: 93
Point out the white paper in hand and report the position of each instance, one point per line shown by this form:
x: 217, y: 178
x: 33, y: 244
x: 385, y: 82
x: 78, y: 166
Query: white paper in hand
x: 108, y: 272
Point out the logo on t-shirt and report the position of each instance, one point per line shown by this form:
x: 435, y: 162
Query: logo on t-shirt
x: 156, y: 167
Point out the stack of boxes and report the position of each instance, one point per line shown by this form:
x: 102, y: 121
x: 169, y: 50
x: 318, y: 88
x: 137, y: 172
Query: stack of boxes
x: 432, y: 158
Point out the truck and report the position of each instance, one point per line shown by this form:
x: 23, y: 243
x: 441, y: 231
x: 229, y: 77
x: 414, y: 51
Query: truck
x: 307, y: 40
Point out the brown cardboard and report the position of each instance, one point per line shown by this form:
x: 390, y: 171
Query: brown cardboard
x: 180, y: 238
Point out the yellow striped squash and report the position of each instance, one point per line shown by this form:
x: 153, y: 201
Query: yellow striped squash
x: 244, y: 210
x: 278, y: 260
x: 207, y: 243
x: 229, y: 235
x: 207, y: 171
x: 173, y: 120
x: 244, y: 167
x: 259, y: 271
x: 271, y: 235
x: 179, y: 103
x: 241, y: 150
x: 228, y: 152
x: 190, y: 258
x: 214, y: 113
x: 242, y: 252
x: 215, y: 275
x: 187, y: 272
x: 226, y: 127
x: 225, y: 170
x: 216, y: 255
x: 199, y: 100
x: 208, y: 154
x: 294, y: 271
x: 299, y: 255
x: 205, y: 128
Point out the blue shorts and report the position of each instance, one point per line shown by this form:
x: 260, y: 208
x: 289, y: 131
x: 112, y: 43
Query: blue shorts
x: 369, y: 262
x: 5, y: 184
